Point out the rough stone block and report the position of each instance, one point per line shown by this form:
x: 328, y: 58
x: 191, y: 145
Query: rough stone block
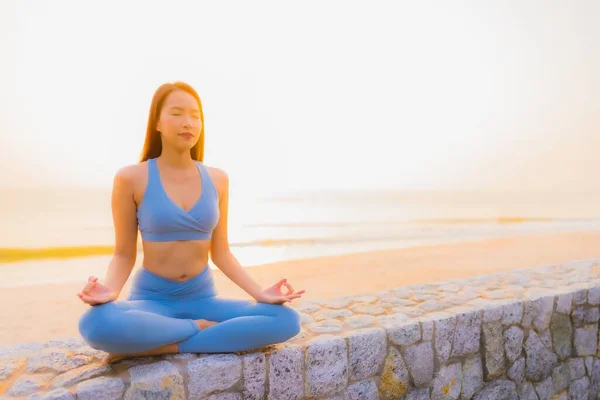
x: 540, y: 360
x: 326, y: 366
x: 404, y: 334
x: 472, y: 380
x: 419, y: 359
x: 444, y: 337
x: 448, y: 382
x: 156, y: 380
x: 468, y: 334
x: 255, y: 376
x: 513, y: 342
x: 104, y: 388
x: 498, y: 389
x: 363, y: 390
x: 213, y: 373
x: 394, y: 378
x: 562, y: 334
x: 586, y: 340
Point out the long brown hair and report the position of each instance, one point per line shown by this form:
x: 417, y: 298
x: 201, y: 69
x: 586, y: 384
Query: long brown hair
x: 153, y: 143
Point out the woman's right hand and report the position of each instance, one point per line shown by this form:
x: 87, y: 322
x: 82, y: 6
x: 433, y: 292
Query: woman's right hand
x: 96, y: 293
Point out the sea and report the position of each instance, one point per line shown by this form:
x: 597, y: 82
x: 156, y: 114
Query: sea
x: 65, y: 230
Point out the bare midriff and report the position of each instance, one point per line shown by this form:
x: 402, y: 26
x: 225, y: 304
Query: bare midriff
x: 178, y: 261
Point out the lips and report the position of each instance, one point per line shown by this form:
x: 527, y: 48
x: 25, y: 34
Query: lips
x: 186, y: 135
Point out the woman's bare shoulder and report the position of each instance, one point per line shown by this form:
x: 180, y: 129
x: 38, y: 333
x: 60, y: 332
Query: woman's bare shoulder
x: 132, y: 174
x: 218, y: 176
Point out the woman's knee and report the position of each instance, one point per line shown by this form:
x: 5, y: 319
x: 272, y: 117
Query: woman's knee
x: 289, y: 320
x: 97, y: 322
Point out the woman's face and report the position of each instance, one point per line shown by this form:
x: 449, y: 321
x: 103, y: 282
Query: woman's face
x: 179, y: 121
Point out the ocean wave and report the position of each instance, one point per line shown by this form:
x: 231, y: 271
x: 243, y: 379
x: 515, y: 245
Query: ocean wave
x: 341, y: 224
x: 440, y: 228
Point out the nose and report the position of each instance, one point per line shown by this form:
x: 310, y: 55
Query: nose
x: 187, y: 121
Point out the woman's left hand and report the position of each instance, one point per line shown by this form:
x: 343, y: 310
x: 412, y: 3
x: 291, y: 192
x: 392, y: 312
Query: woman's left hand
x: 273, y: 294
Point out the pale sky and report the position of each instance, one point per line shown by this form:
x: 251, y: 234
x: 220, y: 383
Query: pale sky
x: 501, y: 95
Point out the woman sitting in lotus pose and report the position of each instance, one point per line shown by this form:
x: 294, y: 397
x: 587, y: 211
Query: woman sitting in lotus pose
x: 180, y: 206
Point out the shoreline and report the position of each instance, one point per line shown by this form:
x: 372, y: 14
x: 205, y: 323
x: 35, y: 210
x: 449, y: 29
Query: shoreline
x: 57, y: 308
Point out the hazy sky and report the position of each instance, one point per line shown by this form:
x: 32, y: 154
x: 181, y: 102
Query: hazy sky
x: 500, y: 95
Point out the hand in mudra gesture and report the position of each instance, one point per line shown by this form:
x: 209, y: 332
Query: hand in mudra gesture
x: 273, y: 294
x: 96, y: 293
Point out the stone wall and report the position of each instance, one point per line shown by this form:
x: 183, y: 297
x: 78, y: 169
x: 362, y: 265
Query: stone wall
x: 526, y: 334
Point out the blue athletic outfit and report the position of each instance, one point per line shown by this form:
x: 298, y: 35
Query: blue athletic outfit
x: 160, y: 311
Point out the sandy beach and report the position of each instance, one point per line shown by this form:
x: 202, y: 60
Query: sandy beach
x: 44, y: 312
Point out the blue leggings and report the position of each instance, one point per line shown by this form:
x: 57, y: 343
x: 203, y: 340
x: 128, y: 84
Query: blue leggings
x: 161, y: 311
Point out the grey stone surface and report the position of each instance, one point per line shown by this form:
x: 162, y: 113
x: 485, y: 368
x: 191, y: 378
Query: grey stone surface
x: 363, y: 390
x: 360, y: 321
x: 104, y: 388
x: 561, y: 377
x: 225, y: 396
x: 594, y: 296
x: 327, y: 326
x: 420, y: 362
x: 580, y: 297
x: 472, y: 378
x: 527, y: 392
x: 427, y: 330
x: 448, y: 382
x: 594, y: 388
x: 495, y: 364
x: 516, y: 372
x: 156, y: 380
x: 28, y: 383
x: 493, y: 313
x: 80, y: 374
x: 512, y: 313
x: 468, y: 334
x: 444, y: 337
x: 418, y: 394
x: 564, y: 303
x: 576, y: 368
x: 404, y: 334
x: 8, y: 365
x: 540, y: 360
x: 213, y: 373
x: 528, y: 310
x: 286, y: 373
x: 326, y: 314
x: 562, y: 334
x: 579, y: 389
x: 542, y: 312
x: 545, y: 389
x: 586, y: 340
x: 22, y: 349
x: 56, y: 394
x: 394, y: 382
x: 326, y: 366
x: 499, y: 389
x: 55, y: 360
x: 368, y: 309
x: 367, y: 351
x: 513, y: 342
x: 255, y: 376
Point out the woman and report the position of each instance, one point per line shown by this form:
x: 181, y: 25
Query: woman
x: 180, y: 207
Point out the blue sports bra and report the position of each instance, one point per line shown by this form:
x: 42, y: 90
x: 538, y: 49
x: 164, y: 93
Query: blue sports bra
x: 162, y: 220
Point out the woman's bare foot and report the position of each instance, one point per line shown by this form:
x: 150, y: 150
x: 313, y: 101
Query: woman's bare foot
x: 204, y: 323
x: 168, y: 349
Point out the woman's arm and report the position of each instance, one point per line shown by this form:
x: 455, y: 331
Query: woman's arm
x: 125, y: 226
x: 223, y: 258
x: 220, y: 251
